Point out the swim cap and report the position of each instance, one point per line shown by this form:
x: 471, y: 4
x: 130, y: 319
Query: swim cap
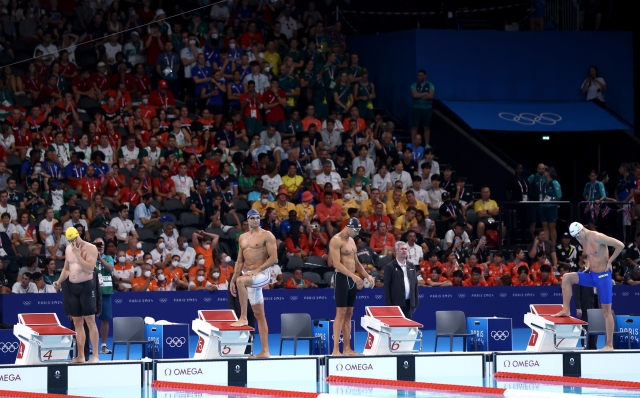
x: 575, y: 228
x: 354, y: 223
x: 71, y: 233
x: 253, y: 212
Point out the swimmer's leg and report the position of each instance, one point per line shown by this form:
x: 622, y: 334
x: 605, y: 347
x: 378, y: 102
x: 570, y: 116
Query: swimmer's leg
x: 242, y: 282
x: 568, y: 280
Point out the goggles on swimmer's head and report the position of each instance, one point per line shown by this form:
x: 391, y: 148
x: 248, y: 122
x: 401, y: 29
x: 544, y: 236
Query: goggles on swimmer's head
x: 254, y: 218
x: 354, y: 224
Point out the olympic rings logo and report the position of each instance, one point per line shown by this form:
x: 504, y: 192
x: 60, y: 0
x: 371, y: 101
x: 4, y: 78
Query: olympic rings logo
x: 207, y: 299
x: 625, y: 294
x: 544, y: 294
x: 175, y: 342
x: 529, y: 119
x: 294, y: 298
x: 118, y: 301
x: 9, y: 347
x: 379, y: 297
x: 163, y: 300
x: 462, y: 295
x: 500, y: 334
x: 26, y: 303
x: 503, y: 295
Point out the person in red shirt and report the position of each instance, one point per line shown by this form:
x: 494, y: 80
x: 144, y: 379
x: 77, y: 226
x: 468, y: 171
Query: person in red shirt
x: 239, y: 128
x: 36, y: 119
x: 162, y: 98
x: 472, y: 262
x: 248, y: 37
x: 163, y: 186
x: 67, y: 69
x: 129, y: 195
x: 329, y: 214
x: 497, y: 269
x: 456, y: 279
x: 534, y: 270
x: 274, y: 101
x: 523, y: 277
x: 23, y: 137
x: 112, y: 111
x: 298, y: 282
x: 476, y: 278
x: 33, y: 82
x: 430, y: 262
x: 122, y: 97
x: 123, y: 77
x: 82, y: 86
x: 317, y: 240
x: 437, y: 279
x: 154, y: 43
x: 546, y: 277
x: 382, y: 241
x: 14, y: 119
x: 50, y: 91
x: 518, y: 260
x: 89, y: 185
x: 250, y: 105
x: 100, y: 81
x: 213, y: 164
x: 297, y: 243
x: 141, y: 82
x: 372, y: 222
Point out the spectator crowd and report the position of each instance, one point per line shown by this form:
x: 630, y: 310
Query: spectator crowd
x: 156, y: 131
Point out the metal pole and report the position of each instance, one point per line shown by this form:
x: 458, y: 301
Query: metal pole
x: 599, y: 158
x: 337, y: 13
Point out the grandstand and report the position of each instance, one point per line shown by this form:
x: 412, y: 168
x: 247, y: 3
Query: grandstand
x: 157, y: 126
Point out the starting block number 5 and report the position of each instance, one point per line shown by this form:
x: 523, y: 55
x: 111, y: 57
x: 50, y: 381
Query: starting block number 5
x: 226, y: 350
x: 47, y: 355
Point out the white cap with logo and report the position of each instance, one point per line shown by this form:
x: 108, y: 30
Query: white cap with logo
x: 575, y: 228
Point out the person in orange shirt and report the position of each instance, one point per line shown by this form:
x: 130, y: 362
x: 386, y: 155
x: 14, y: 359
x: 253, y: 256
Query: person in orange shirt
x: 217, y: 279
x: 534, y: 270
x: 146, y: 282
x: 523, y: 277
x: 201, y: 282
x: 457, y: 279
x: 134, y: 254
x: 197, y: 265
x: 298, y: 282
x: 175, y: 274
x: 206, y: 247
x: 382, y: 241
x: 297, y: 243
x: 224, y: 266
x: 476, y: 278
x: 472, y: 261
x: 437, y: 279
x: 317, y: 240
x: 546, y: 278
x: 310, y: 119
x: 122, y: 272
x: 497, y: 269
x: 164, y: 284
x: 329, y: 214
x: 429, y: 263
x: 451, y: 265
x: 518, y: 261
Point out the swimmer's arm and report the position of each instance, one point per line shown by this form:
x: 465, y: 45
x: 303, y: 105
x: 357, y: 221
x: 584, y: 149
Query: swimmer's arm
x: 334, y: 252
x: 90, y: 263
x: 64, y: 274
x: 360, y: 268
x: 272, y: 251
x: 239, y: 264
x: 616, y: 244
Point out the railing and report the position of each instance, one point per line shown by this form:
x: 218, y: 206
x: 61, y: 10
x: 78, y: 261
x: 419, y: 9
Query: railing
x: 511, y: 208
x: 617, y: 213
x: 563, y: 14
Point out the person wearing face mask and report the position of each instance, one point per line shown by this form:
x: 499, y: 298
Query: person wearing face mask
x: 193, y: 271
x: 346, y: 203
x: 224, y: 266
x: 123, y: 272
x: 358, y: 194
x: 342, y: 256
x: 175, y: 275
x: 205, y: 243
x: 146, y: 282
x: 134, y: 253
x: 216, y: 279
x: 164, y: 284
x: 187, y: 254
x: 189, y: 56
x: 160, y: 255
x: 200, y: 282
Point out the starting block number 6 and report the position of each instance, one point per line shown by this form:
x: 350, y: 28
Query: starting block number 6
x: 395, y: 345
x: 47, y: 355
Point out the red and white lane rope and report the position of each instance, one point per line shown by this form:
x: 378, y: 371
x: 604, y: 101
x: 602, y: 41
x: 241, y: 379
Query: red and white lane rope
x: 174, y: 386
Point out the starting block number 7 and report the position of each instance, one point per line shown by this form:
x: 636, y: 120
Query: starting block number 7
x: 47, y: 355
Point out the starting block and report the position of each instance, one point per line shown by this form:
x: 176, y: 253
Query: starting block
x: 550, y: 333
x: 389, y: 332
x: 42, y: 339
x: 217, y: 338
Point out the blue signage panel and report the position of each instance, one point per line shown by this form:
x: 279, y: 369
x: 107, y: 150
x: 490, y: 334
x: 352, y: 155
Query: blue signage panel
x: 182, y: 307
x: 172, y: 341
x: 492, y: 334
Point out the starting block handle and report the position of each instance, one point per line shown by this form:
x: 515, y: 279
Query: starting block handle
x: 391, y: 340
x: 556, y: 337
x: 220, y: 343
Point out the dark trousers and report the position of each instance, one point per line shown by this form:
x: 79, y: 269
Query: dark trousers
x: 406, y: 309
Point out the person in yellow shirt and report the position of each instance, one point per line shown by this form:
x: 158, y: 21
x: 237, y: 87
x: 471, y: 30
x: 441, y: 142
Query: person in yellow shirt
x: 292, y: 182
x: 305, y: 210
x: 367, y: 207
x: 272, y: 57
x: 403, y: 222
x: 282, y: 205
x: 412, y: 201
x: 262, y: 204
x: 347, y: 202
x: 396, y: 207
x: 486, y: 208
x: 398, y: 184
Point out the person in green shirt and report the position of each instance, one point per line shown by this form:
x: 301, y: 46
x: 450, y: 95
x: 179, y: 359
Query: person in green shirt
x: 294, y: 124
x: 296, y: 55
x: 422, y: 92
x: 355, y: 71
x: 50, y: 273
x: 314, y: 91
x: 366, y: 183
x: 342, y: 95
x: 246, y: 181
x: 197, y: 26
x: 314, y: 54
x: 364, y: 93
x: 290, y: 84
x: 104, y: 266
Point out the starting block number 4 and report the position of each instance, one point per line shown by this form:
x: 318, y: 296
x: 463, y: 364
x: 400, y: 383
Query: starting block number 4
x: 47, y: 355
